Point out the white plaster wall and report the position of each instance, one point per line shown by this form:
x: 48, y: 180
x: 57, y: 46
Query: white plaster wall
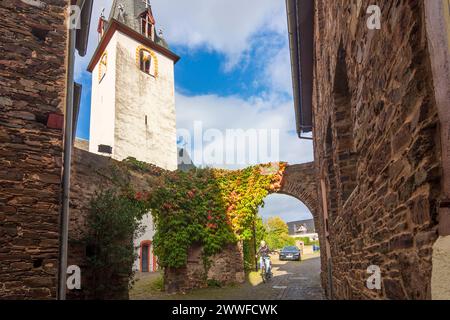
x: 137, y: 95
x: 103, y: 102
x: 148, y: 235
x: 440, y: 279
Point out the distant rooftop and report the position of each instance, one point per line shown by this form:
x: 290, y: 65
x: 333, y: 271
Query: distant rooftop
x: 294, y: 227
x: 184, y: 160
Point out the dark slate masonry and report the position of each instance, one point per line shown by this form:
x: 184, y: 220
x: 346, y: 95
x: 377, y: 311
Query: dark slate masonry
x: 376, y: 148
x: 32, y: 86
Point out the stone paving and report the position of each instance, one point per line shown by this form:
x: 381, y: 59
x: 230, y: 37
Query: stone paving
x: 292, y: 281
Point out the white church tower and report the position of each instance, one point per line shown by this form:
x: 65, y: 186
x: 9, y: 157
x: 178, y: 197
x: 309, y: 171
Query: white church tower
x: 133, y: 98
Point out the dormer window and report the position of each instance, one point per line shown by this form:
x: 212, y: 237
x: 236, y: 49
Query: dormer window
x: 146, y: 61
x: 148, y: 24
x: 102, y: 67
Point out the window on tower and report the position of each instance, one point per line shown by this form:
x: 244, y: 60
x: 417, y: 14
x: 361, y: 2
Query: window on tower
x: 102, y: 67
x: 145, y: 61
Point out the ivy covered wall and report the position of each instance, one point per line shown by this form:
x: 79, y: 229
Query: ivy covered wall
x: 201, y: 217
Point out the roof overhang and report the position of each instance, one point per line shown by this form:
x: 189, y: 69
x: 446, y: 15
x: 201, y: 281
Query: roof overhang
x: 300, y: 15
x: 114, y: 26
x: 77, y: 91
x: 85, y: 21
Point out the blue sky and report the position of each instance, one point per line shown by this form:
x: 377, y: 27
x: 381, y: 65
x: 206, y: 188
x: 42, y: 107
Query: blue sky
x: 234, y: 72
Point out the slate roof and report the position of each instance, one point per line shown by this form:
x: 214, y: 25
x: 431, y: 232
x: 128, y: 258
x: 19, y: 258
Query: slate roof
x: 132, y: 10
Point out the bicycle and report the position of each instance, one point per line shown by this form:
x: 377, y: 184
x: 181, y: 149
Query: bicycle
x: 266, y: 276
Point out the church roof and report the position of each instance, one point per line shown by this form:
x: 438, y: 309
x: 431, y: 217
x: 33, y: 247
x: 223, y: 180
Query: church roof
x: 125, y: 17
x: 132, y: 11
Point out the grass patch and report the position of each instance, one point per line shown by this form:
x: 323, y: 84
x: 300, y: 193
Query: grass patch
x: 157, y: 284
x: 149, y: 286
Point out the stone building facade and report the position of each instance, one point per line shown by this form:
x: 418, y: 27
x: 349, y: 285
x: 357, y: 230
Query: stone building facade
x: 377, y: 126
x: 32, y: 92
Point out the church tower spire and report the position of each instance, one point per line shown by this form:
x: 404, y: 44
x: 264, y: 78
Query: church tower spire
x: 133, y: 100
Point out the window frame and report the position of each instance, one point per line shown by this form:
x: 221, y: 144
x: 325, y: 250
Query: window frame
x: 147, y: 27
x: 153, y: 67
x: 103, y: 62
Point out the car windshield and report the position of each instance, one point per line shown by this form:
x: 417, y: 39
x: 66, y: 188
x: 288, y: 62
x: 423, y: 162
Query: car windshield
x: 290, y: 249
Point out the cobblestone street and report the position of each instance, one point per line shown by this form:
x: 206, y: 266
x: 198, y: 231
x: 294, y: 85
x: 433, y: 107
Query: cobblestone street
x: 292, y: 281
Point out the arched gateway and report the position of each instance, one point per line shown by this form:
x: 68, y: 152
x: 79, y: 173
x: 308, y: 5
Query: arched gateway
x: 298, y: 181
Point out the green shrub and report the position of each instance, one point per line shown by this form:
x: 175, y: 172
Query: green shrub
x: 114, y: 220
x: 158, y: 284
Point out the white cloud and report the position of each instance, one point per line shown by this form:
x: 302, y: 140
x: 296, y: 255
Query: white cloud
x: 245, y: 32
x: 223, y: 26
x: 264, y: 112
x: 279, y: 71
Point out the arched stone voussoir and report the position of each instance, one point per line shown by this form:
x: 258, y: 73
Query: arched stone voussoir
x: 299, y: 181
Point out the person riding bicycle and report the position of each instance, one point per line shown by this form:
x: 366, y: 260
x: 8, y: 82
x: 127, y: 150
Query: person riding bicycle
x: 264, y: 253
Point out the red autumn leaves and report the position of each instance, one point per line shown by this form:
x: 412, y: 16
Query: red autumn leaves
x: 141, y: 196
x: 211, y: 224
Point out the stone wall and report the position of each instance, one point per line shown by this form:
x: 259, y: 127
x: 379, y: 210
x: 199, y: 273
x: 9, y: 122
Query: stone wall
x: 32, y: 87
x: 226, y: 268
x: 93, y: 173
x: 376, y: 138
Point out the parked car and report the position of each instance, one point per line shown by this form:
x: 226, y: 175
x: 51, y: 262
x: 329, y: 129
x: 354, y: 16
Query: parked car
x: 290, y: 253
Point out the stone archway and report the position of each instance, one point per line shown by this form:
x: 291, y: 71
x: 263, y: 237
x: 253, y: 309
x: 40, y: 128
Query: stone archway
x: 299, y: 181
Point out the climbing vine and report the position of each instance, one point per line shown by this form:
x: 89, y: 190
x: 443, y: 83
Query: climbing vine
x: 210, y: 208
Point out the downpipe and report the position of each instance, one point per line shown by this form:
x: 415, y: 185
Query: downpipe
x: 68, y: 142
